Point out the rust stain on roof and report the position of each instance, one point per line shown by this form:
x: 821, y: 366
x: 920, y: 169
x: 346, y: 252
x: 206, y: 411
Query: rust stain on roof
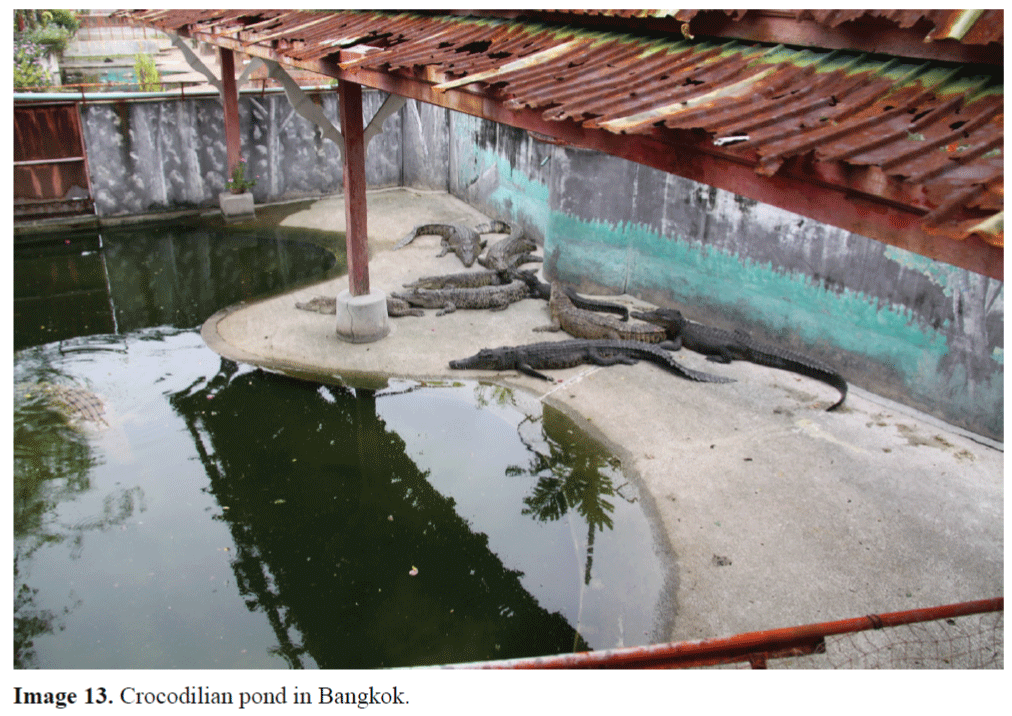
x: 921, y: 134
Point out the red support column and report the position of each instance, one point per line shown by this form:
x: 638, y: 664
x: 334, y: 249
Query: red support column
x: 230, y: 98
x: 350, y: 94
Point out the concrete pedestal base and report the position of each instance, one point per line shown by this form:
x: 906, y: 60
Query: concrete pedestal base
x: 362, y: 319
x: 236, y: 207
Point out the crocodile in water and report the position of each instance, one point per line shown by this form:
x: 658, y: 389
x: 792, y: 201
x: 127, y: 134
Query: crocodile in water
x: 724, y: 346
x: 461, y: 240
x: 531, y: 358
x: 581, y: 323
x: 71, y: 401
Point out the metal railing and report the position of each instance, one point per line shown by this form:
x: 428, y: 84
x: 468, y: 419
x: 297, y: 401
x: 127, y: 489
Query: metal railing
x: 969, y: 635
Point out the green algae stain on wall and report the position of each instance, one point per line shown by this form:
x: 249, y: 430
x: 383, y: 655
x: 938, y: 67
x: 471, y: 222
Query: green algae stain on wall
x: 783, y: 302
x: 593, y: 250
x: 510, y: 191
x: 526, y: 196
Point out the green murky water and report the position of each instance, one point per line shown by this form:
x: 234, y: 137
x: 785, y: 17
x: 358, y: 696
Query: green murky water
x: 224, y: 517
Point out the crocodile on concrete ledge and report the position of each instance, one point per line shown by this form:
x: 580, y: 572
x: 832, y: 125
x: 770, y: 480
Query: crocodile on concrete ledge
x: 533, y: 357
x: 496, y: 297
x: 509, y: 252
x: 464, y: 279
x: 724, y: 346
x: 461, y: 240
x: 539, y: 289
x: 580, y: 323
x: 328, y: 305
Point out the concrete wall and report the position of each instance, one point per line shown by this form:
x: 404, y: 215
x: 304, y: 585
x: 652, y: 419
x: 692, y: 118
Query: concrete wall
x: 912, y: 329
x: 901, y: 325
x: 170, y: 154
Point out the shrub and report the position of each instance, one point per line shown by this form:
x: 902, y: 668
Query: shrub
x: 28, y: 70
x: 66, y: 19
x: 239, y: 181
x: 148, y: 76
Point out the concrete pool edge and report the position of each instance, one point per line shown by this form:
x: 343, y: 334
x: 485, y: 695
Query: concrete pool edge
x: 777, y: 513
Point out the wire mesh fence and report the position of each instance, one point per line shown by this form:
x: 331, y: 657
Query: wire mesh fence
x: 968, y: 635
x: 974, y: 641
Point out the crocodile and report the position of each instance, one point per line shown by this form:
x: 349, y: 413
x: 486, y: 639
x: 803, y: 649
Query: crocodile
x: 581, y: 323
x: 73, y: 402
x: 509, y: 252
x: 328, y: 305
x: 496, y: 297
x: 533, y: 357
x: 540, y: 289
x: 461, y: 240
x: 723, y: 346
x: 464, y: 279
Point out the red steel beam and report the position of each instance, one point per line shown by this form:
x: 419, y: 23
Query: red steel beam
x: 356, y: 239
x: 230, y: 99
x: 794, y: 188
x: 799, y: 188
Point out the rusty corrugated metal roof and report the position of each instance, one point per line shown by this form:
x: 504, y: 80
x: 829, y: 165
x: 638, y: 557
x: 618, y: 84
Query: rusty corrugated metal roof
x: 918, y: 134
x: 972, y: 27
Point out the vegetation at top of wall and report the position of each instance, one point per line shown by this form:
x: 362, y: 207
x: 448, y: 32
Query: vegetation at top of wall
x: 148, y: 77
x: 38, y: 33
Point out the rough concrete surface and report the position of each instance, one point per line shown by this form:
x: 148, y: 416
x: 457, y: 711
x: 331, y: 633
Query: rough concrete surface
x: 776, y: 513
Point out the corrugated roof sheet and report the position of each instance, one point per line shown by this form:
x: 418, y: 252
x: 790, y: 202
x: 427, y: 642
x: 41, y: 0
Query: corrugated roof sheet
x: 973, y: 27
x: 921, y: 134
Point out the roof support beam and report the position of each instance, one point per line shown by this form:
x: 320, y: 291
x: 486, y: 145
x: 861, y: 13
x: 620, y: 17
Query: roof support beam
x: 354, y: 188
x: 792, y: 187
x: 305, y: 106
x: 230, y: 100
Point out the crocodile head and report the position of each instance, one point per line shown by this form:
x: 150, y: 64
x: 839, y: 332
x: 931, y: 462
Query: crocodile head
x: 487, y: 358
x: 669, y: 318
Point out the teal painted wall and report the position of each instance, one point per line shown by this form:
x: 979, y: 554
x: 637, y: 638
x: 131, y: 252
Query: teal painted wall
x: 901, y: 325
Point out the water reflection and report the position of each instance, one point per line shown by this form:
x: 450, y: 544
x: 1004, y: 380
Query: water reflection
x: 227, y: 517
x: 165, y: 275
x: 331, y: 523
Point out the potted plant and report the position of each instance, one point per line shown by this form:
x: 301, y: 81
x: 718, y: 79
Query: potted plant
x: 240, y: 183
x: 237, y: 202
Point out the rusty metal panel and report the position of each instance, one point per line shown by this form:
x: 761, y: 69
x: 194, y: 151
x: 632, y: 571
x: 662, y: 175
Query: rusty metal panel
x: 50, y: 169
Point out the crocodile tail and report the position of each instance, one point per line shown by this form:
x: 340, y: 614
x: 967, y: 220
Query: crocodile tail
x: 408, y: 238
x: 806, y: 367
x: 665, y: 359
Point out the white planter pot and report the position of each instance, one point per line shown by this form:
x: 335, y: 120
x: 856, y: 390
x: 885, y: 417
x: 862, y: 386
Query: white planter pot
x: 236, y: 207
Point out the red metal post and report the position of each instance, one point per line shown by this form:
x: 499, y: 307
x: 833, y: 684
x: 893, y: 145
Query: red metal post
x: 230, y: 98
x: 350, y: 94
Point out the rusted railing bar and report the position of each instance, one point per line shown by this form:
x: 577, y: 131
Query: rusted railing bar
x: 727, y: 649
x: 57, y: 160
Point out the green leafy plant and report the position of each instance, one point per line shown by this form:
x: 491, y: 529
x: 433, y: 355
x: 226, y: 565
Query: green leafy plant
x: 29, y: 70
x: 148, y: 77
x: 239, y: 182
x: 66, y: 19
x: 38, y: 33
